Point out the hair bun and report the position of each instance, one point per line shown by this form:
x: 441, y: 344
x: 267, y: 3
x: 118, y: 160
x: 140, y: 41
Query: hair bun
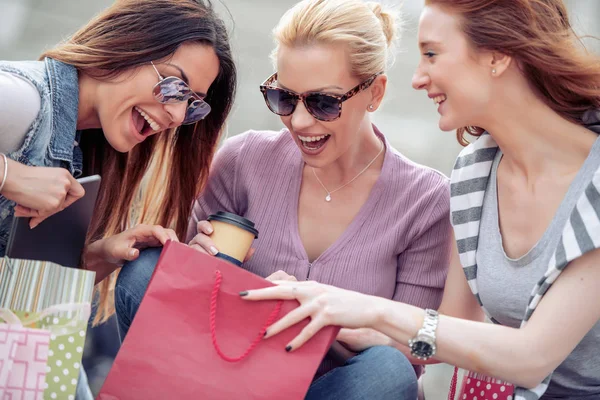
x: 388, y: 19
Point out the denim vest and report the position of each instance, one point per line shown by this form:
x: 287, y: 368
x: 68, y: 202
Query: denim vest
x: 51, y: 140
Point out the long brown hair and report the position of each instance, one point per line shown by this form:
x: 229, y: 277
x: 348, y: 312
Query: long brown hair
x: 129, y: 34
x: 539, y: 36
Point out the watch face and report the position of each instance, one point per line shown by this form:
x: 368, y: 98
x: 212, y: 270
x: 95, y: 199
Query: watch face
x: 422, y: 349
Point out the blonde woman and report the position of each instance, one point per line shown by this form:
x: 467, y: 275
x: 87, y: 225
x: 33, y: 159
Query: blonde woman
x: 333, y: 201
x: 525, y: 205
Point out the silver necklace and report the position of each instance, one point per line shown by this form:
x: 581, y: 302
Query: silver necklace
x: 329, y: 193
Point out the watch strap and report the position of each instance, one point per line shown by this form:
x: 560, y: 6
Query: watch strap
x: 430, y: 323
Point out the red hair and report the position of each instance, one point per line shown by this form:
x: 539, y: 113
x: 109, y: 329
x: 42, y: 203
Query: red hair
x: 537, y: 34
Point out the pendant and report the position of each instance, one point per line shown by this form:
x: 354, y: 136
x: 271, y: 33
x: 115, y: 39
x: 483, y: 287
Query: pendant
x: 328, y: 198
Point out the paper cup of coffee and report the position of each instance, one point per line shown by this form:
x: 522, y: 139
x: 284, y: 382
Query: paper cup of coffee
x: 233, y: 235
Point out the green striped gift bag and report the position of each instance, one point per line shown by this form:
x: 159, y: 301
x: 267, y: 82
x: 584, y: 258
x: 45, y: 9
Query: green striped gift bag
x: 45, y: 295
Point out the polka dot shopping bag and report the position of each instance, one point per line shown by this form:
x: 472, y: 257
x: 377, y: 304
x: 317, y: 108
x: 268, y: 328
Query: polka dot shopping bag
x: 480, y: 387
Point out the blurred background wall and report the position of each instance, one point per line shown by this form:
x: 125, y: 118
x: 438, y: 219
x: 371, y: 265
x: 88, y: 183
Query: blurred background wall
x: 408, y: 118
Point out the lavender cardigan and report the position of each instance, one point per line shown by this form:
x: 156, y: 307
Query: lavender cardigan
x: 397, y: 246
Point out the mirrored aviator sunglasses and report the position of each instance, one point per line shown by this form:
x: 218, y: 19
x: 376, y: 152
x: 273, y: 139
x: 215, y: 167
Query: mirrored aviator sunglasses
x: 171, y: 90
x: 322, y: 106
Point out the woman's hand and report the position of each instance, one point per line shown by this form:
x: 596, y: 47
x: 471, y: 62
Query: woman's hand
x: 126, y: 245
x: 358, y: 340
x: 281, y: 276
x: 323, y: 304
x: 40, y: 191
x: 105, y: 255
x: 203, y: 243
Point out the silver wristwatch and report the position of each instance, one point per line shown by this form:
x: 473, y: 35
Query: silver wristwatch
x: 423, y: 346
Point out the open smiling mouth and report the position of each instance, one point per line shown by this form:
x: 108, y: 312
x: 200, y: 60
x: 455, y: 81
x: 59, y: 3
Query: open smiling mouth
x: 313, y: 142
x: 143, y: 123
x: 439, y: 99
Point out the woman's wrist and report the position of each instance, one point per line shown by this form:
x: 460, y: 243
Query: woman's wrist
x: 377, y: 313
x: 12, y: 186
x: 376, y: 338
x: 4, y: 173
x: 94, y: 259
x: 93, y: 253
x: 399, y: 321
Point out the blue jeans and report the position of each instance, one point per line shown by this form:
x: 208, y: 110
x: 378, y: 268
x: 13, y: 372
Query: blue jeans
x: 83, y: 391
x: 380, y: 372
x: 131, y: 286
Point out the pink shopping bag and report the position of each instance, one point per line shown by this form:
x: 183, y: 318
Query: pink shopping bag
x: 23, y: 359
x: 194, y: 338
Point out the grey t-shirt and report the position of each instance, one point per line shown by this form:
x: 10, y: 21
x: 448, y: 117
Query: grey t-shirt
x: 505, y: 284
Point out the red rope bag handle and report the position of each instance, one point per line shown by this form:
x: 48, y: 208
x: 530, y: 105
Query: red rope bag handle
x: 213, y: 323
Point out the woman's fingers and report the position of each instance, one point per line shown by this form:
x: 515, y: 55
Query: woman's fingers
x: 308, y: 294
x: 204, y: 227
x: 151, y: 235
x: 304, y: 336
x: 36, y: 218
x: 197, y: 247
x: 25, y: 212
x: 292, y: 318
x: 202, y: 239
x: 75, y: 192
x: 347, y: 335
x: 163, y: 234
x: 172, y: 235
x: 22, y: 211
x: 280, y: 276
x: 249, y: 254
x: 285, y: 290
x: 205, y: 243
x: 35, y: 221
x: 119, y: 248
x: 126, y: 252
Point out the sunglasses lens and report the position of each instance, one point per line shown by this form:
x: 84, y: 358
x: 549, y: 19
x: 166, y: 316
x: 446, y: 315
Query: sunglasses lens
x: 171, y: 90
x: 323, y: 107
x: 196, y: 111
x: 280, y: 101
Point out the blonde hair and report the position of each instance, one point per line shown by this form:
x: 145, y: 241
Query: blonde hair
x: 368, y: 31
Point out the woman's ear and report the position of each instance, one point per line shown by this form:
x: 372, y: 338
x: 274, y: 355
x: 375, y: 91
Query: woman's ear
x: 377, y: 91
x: 499, y: 63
